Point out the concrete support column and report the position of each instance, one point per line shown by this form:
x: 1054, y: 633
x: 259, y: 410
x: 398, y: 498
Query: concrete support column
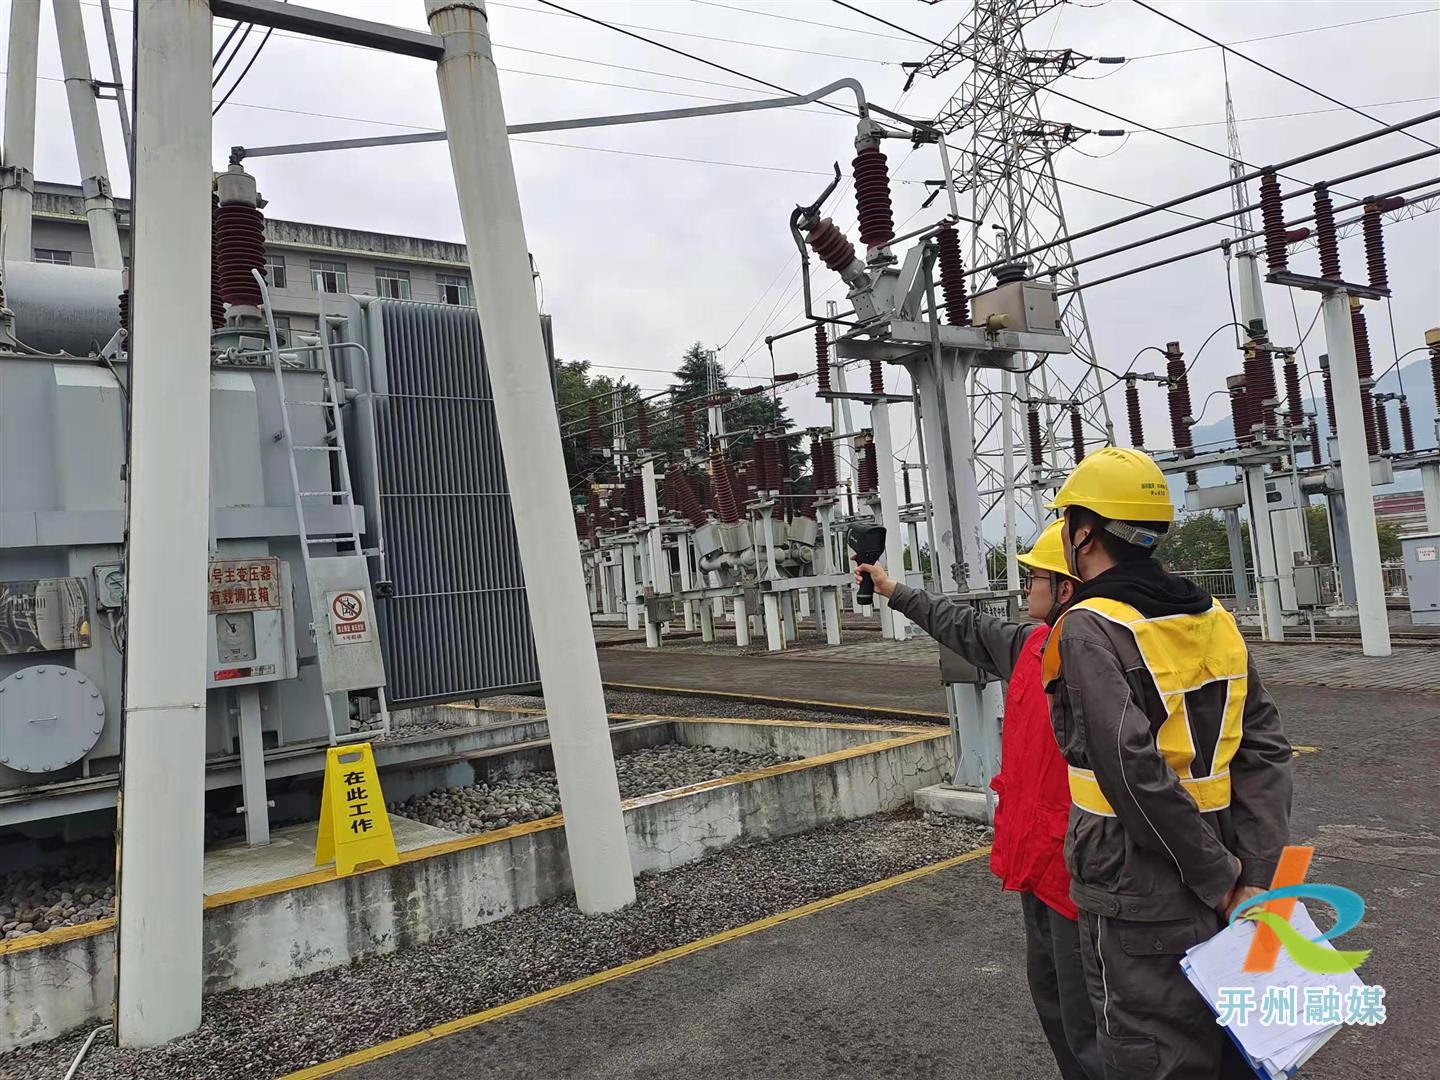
x: 161, y: 855
x: 252, y: 768
x: 1430, y: 484
x: 18, y: 156
x: 474, y: 116
x: 1340, y: 545
x: 89, y: 144
x: 631, y: 587
x: 774, y: 637
x: 742, y: 623
x: 707, y: 622
x: 1262, y: 542
x: 1281, y: 523
x: 1236, y: 543
x: 896, y: 624
x: 682, y: 554
x: 830, y: 606
x: 1355, y: 476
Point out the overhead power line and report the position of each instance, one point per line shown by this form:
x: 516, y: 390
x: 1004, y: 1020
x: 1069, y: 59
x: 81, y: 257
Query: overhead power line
x: 1266, y: 67
x: 1291, y: 33
x: 236, y: 84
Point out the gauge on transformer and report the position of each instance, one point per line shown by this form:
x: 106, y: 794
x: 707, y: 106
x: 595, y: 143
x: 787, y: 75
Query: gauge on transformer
x: 113, y: 584
x: 235, y: 636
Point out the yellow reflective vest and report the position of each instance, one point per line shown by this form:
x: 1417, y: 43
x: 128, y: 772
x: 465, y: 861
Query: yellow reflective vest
x: 1199, y: 667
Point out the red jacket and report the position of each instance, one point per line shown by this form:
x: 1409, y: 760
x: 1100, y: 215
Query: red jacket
x: 1033, y: 785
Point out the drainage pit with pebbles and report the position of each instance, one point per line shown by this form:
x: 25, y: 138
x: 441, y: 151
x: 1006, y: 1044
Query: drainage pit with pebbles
x: 482, y: 807
x: 73, y: 893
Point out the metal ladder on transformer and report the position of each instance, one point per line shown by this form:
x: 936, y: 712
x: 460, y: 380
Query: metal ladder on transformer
x: 343, y: 498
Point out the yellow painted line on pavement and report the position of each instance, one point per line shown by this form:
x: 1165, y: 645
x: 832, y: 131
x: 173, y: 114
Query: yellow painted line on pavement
x: 465, y: 1023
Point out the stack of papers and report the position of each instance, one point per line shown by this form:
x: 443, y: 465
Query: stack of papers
x: 1276, y: 1041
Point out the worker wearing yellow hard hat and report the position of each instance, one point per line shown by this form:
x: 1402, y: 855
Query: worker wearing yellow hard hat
x: 1179, y: 770
x: 1032, y: 809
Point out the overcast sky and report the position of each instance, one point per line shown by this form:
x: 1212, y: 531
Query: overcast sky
x: 642, y: 254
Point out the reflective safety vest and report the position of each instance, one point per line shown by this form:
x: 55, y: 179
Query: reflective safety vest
x: 1199, y: 666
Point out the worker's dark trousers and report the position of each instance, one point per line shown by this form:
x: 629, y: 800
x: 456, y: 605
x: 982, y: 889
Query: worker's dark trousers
x: 1150, y: 1022
x: 1057, y: 983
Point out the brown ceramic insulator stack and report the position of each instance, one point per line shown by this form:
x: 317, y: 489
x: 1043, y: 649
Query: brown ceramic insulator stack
x: 597, y: 444
x: 1132, y: 411
x: 1240, y: 410
x: 217, y: 305
x: 872, y: 197
x: 830, y: 244
x: 1382, y: 425
x: 1272, y: 215
x: 1329, y: 396
x: 124, y: 311
x: 1435, y: 369
x: 635, y: 497
x: 1407, y: 426
x: 240, y: 247
x: 1365, y: 368
x: 781, y: 457
x: 1375, y: 247
x: 1037, y: 442
x: 952, y: 276
x: 687, y: 418
x: 682, y: 498
x: 1260, y: 390
x: 757, y: 456
x: 1314, y: 433
x: 905, y: 484
x: 877, y: 377
x: 1294, y: 407
x: 869, y: 471
x: 642, y: 424
x: 1077, y: 434
x: 822, y: 360
x: 592, y: 506
x: 1178, y: 398
x: 722, y: 483
x: 1325, y: 238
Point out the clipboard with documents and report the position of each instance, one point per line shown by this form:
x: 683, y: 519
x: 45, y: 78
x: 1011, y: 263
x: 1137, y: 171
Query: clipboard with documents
x: 1277, y: 1042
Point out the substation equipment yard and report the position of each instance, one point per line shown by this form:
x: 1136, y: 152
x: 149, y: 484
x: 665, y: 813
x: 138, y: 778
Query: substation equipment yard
x: 353, y: 475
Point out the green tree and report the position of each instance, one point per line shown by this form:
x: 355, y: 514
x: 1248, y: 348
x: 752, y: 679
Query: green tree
x: 1198, y: 543
x: 1317, y: 523
x: 743, y: 417
x: 575, y: 386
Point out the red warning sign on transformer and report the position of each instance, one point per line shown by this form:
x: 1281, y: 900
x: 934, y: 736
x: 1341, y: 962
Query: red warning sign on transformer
x: 350, y: 617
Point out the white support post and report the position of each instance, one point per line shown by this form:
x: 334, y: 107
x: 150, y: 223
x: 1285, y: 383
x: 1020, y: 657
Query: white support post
x: 1007, y: 434
x: 529, y: 432
x: 89, y: 144
x: 1430, y: 483
x: 774, y: 637
x: 682, y: 555
x: 1355, y: 476
x: 161, y: 856
x: 830, y: 609
x: 889, y: 514
x: 252, y: 767
x: 19, y: 145
x: 1281, y: 524
x: 804, y: 601
x: 631, y: 587
x: 742, y: 623
x: 1262, y: 543
x: 707, y: 622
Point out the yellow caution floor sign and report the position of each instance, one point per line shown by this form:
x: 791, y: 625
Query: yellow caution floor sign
x: 354, y: 826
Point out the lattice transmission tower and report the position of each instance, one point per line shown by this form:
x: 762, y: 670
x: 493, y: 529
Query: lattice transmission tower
x: 1005, y: 165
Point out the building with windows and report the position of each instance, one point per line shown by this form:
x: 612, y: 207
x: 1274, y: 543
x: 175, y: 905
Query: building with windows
x: 303, y: 260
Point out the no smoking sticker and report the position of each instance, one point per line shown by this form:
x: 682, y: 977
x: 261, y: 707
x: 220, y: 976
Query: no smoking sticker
x: 349, y: 617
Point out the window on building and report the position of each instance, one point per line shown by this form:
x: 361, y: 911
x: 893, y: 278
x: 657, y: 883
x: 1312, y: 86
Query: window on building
x: 282, y: 324
x: 275, y: 271
x: 330, y: 277
x: 49, y: 255
x: 392, y: 283
x: 454, y: 289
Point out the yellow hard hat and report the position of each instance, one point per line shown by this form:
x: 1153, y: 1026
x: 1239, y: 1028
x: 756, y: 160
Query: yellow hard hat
x: 1048, y: 554
x: 1117, y: 483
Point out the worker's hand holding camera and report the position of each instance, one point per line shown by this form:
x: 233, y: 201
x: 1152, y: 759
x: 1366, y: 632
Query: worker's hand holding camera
x: 884, y: 583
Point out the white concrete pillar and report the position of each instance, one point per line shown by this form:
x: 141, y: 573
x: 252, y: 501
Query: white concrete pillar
x: 19, y: 144
x: 252, y: 767
x: 707, y: 622
x: 830, y: 605
x: 1281, y: 522
x: 742, y: 623
x: 682, y: 556
x: 1355, y: 476
x: 1262, y: 541
x: 474, y: 116
x: 1430, y: 483
x: 631, y: 586
x: 896, y: 624
x: 774, y: 637
x: 161, y: 856
x: 89, y: 144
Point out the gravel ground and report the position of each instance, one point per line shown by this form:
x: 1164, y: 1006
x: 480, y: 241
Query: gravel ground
x: 641, y: 701
x: 481, y: 807
x: 79, y: 890
x: 267, y: 1032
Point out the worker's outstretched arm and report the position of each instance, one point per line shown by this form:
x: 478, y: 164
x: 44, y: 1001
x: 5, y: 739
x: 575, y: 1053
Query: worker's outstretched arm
x: 1260, y: 786
x: 987, y: 642
x: 1145, y: 794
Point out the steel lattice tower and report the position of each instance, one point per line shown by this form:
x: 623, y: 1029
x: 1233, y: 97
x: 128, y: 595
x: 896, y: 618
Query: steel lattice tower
x: 1005, y: 164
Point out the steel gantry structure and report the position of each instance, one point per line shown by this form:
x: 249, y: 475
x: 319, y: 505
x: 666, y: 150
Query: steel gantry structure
x: 1006, y: 165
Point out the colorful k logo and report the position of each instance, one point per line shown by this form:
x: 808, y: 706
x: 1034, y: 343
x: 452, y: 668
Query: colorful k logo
x: 1275, y: 929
